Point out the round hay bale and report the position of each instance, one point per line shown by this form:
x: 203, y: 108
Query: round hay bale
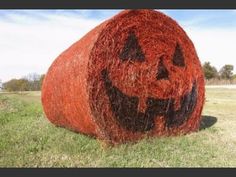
x: 135, y: 75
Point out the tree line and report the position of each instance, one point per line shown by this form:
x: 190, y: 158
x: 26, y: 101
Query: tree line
x: 225, y: 73
x: 31, y: 82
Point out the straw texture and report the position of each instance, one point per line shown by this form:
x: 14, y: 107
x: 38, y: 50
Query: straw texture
x: 135, y: 75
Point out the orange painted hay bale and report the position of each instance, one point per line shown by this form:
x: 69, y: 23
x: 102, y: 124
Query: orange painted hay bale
x: 135, y: 75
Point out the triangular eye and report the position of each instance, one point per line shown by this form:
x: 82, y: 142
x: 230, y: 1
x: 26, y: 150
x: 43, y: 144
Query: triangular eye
x: 162, y: 72
x: 178, y: 58
x: 132, y: 49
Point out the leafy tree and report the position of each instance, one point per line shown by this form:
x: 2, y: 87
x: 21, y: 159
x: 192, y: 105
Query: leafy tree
x: 9, y: 86
x: 209, y: 71
x: 16, y: 85
x: 31, y: 82
x: 226, y: 72
x: 23, y: 85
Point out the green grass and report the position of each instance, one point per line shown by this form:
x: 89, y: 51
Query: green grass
x: 28, y: 139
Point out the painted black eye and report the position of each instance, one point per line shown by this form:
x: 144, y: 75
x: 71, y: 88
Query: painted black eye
x: 132, y: 50
x: 162, y: 72
x: 178, y: 58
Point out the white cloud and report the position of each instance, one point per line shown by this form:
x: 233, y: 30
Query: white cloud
x: 30, y: 45
x: 216, y: 45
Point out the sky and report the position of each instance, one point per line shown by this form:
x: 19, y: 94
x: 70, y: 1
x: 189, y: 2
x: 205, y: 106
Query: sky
x: 30, y: 40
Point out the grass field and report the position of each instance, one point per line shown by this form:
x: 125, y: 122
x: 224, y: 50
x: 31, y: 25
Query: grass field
x: 28, y: 139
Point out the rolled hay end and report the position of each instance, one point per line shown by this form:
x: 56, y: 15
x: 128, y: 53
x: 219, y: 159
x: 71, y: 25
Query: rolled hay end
x: 135, y: 75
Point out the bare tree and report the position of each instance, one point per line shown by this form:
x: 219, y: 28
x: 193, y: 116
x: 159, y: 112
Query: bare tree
x: 34, y: 81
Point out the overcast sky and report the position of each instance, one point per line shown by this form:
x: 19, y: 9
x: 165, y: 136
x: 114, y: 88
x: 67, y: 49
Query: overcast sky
x: 31, y: 39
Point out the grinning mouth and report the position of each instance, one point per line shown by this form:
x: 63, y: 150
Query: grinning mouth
x: 125, y: 108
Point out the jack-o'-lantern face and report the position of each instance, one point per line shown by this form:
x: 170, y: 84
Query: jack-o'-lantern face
x: 128, y: 110
x: 144, y: 74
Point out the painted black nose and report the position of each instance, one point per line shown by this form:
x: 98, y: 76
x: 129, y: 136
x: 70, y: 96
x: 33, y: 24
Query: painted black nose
x: 162, y: 72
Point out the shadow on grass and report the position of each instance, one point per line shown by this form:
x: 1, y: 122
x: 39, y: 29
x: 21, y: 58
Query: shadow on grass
x: 207, y: 121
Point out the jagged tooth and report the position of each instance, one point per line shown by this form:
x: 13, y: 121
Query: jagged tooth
x: 177, y: 103
x: 142, y: 106
x: 168, y: 107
